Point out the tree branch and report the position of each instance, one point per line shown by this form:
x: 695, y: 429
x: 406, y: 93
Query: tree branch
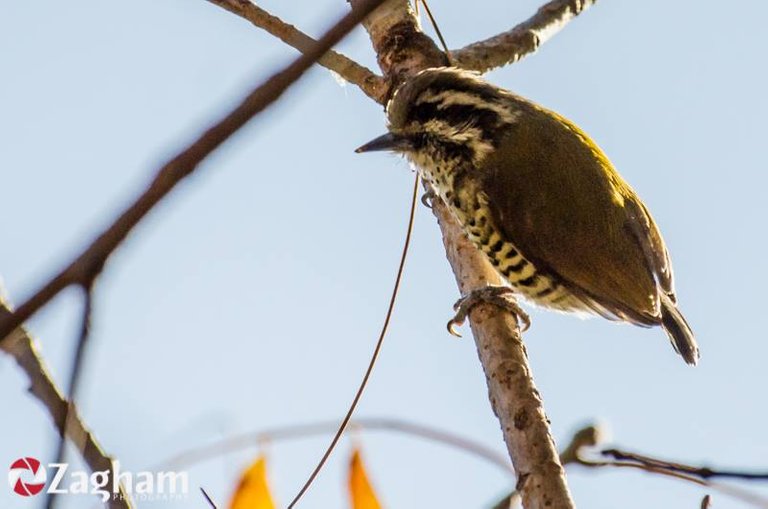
x: 21, y: 347
x: 513, y: 394
x: 403, y: 50
x: 524, y: 39
x: 372, y: 85
x: 86, y: 267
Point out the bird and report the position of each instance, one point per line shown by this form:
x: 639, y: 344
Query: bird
x: 533, y: 192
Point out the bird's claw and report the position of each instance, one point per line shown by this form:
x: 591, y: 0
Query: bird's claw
x: 428, y: 198
x: 501, y: 296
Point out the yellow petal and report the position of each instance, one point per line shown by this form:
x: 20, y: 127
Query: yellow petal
x: 361, y: 492
x: 253, y: 489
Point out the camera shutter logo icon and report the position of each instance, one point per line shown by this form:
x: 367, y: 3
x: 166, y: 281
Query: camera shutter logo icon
x: 21, y: 468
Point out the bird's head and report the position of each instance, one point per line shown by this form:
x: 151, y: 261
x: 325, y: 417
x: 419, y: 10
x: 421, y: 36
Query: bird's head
x: 445, y: 113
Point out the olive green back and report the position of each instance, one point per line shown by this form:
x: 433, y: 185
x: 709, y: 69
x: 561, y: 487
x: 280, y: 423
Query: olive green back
x: 560, y: 201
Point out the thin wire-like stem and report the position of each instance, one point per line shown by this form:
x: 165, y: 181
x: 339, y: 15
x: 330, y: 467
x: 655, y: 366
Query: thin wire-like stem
x: 75, y: 377
x: 437, y: 30
x: 376, y: 350
x: 298, y: 431
x: 700, y: 472
x: 208, y: 498
x: 732, y: 491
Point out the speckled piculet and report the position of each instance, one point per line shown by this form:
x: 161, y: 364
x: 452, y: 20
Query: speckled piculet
x: 539, y: 198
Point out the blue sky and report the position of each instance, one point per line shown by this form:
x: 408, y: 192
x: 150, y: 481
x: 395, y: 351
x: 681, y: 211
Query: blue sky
x: 252, y: 297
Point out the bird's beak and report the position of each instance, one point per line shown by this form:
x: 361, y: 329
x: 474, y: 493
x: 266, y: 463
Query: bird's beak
x: 389, y: 141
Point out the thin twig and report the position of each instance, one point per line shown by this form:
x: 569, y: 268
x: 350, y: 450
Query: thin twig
x: 89, y: 263
x: 20, y: 346
x: 522, y: 40
x: 372, y: 85
x: 591, y: 436
x: 236, y: 443
x: 74, y: 379
x: 726, y: 489
x: 700, y: 472
x: 437, y: 30
x: 208, y: 498
x: 376, y: 350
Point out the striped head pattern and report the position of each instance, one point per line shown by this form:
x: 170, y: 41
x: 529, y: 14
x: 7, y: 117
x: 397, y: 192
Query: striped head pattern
x: 444, y: 114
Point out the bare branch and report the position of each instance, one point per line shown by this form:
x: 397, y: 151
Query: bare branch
x: 704, y: 473
x: 372, y: 85
x: 402, y: 50
x: 86, y: 267
x: 524, y: 39
x: 257, y: 438
x: 591, y: 436
x: 21, y: 347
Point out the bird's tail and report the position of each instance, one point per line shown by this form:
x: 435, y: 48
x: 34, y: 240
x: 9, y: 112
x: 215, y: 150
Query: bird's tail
x: 678, y: 330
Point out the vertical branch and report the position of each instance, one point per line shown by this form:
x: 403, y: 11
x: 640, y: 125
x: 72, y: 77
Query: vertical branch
x: 403, y: 50
x: 511, y: 389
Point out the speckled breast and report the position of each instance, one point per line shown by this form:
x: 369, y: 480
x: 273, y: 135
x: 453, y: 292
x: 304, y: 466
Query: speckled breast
x: 470, y: 207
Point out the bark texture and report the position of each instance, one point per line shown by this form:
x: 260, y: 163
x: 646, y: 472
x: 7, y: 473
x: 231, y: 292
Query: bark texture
x: 403, y: 50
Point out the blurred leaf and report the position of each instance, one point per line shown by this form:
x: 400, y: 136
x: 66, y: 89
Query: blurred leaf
x: 253, y: 490
x: 361, y: 492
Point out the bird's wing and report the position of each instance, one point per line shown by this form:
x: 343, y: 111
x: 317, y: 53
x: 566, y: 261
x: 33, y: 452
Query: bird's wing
x: 558, y: 199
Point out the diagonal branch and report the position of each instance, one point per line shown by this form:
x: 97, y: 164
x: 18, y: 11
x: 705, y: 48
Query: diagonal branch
x: 522, y: 40
x: 86, y: 267
x: 372, y: 85
x: 21, y: 347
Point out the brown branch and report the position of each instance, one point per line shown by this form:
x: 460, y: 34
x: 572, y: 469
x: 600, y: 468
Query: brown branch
x: 255, y: 438
x: 589, y: 437
x: 513, y: 394
x: 524, y: 39
x: 86, y: 267
x: 402, y: 50
x: 372, y: 85
x: 704, y: 473
x: 21, y: 347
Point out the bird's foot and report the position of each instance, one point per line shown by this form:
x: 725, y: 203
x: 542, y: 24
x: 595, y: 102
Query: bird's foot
x: 428, y: 198
x: 501, y: 296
